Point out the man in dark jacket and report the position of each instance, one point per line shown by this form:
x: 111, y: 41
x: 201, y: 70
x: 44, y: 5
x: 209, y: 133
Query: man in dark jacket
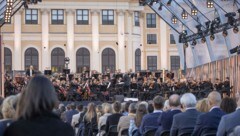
x: 69, y: 114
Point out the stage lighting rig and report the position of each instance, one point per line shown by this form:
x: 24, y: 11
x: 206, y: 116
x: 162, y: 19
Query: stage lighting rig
x: 231, y: 18
x: 194, y: 42
x: 160, y: 6
x: 184, y: 15
x: 194, y: 11
x: 203, y: 40
x: 235, y: 50
x: 174, y: 20
x: 169, y: 3
x: 212, y: 37
x: 33, y: 1
x: 210, y: 3
x: 225, y: 33
x: 235, y: 29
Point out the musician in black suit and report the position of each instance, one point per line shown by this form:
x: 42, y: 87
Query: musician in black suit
x: 127, y: 82
x: 30, y: 72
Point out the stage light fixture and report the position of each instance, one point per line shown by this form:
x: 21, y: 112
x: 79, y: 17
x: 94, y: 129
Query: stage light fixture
x: 225, y: 33
x: 184, y: 15
x: 160, y: 6
x: 208, y: 24
x: 212, y: 37
x: 235, y: 29
x: 217, y: 21
x: 194, y: 11
x: 210, y: 3
x: 174, y: 20
x: 169, y: 3
x: 231, y: 18
x: 203, y: 40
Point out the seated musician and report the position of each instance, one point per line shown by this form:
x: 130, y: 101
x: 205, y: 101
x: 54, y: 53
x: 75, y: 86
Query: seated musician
x: 153, y: 88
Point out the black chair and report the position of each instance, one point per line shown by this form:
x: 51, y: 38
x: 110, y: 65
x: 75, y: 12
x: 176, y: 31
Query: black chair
x: 165, y: 133
x: 112, y: 131
x: 102, y: 128
x: 135, y: 132
x: 186, y: 132
x: 150, y: 132
x: 124, y: 132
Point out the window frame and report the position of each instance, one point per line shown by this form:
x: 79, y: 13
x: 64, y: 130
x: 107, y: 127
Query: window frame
x: 175, y: 62
x: 152, y: 66
x: 57, y: 21
x: 82, y: 15
x: 153, y: 21
x: 151, y: 38
x: 31, y: 21
x: 136, y: 18
x: 172, y: 39
x: 108, y: 21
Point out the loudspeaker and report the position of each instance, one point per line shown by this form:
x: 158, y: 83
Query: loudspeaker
x: 119, y: 98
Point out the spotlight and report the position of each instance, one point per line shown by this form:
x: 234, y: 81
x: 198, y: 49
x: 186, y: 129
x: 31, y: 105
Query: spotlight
x: 231, y: 18
x: 235, y: 29
x: 169, y: 3
x: 184, y: 15
x: 203, y: 40
x: 210, y: 3
x: 212, y: 37
x: 217, y: 21
x: 194, y: 11
x: 194, y: 42
x: 160, y: 6
x: 225, y: 33
x: 174, y: 20
x: 207, y: 24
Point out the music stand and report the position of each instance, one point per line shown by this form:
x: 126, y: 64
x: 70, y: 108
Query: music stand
x: 66, y: 71
x: 47, y: 72
x: 158, y: 74
x: 70, y: 77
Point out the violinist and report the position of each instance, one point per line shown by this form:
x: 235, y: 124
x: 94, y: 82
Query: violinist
x: 153, y: 88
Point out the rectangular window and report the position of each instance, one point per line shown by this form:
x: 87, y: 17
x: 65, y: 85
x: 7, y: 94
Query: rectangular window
x: 151, y: 20
x: 151, y: 39
x: 175, y: 62
x: 136, y: 18
x: 107, y: 17
x: 31, y: 16
x: 57, y: 16
x: 172, y: 40
x: 152, y: 63
x: 82, y: 17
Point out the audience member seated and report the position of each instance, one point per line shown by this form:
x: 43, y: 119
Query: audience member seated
x: 135, y: 124
x: 8, y: 111
x: 202, y: 105
x: 114, y: 118
x: 99, y: 111
x: 125, y: 108
x: 166, y: 106
x: 34, y: 112
x: 208, y: 122
x: 75, y: 118
x: 107, y: 108
x: 183, y: 122
x: 236, y: 131
x: 149, y: 121
x: 228, y: 105
x: 63, y: 115
x: 124, y: 121
x: 69, y: 114
x: 90, y: 121
x: 229, y: 121
x: 166, y: 118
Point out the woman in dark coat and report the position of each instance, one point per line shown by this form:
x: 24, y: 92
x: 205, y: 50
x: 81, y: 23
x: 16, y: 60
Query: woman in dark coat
x: 90, y: 121
x: 34, y: 112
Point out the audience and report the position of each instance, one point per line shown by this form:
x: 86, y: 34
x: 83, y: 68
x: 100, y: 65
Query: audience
x: 90, y: 120
x: 99, y: 111
x: 185, y: 122
x: 229, y: 121
x: 125, y: 108
x: 166, y: 118
x: 166, y: 106
x: 69, y: 114
x: 149, y: 121
x: 107, y: 108
x: 202, y: 105
x: 8, y: 111
x: 124, y: 121
x: 208, y: 122
x: 75, y: 118
x: 34, y: 112
x: 136, y: 122
x: 114, y: 118
x: 228, y: 105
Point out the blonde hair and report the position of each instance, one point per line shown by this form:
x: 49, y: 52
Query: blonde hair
x: 9, y: 106
x: 202, y: 105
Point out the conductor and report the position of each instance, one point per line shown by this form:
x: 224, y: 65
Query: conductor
x: 30, y: 72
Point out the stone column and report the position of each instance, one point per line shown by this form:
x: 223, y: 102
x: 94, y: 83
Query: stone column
x: 17, y: 53
x: 46, y: 57
x: 121, y: 41
x: 141, y: 15
x: 96, y: 55
x: 70, y: 40
x: 131, y: 53
x: 163, y: 45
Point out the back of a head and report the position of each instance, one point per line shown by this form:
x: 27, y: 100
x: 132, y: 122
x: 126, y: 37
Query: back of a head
x: 80, y: 107
x: 228, y: 105
x: 158, y: 102
x: 188, y: 100
x: 202, y: 105
x: 126, y: 106
x: 91, y: 111
x: 132, y: 108
x: 9, y: 107
x: 116, y: 107
x: 141, y: 111
x: 214, y: 98
x: 107, y: 108
x: 73, y: 106
x: 38, y: 98
x: 174, y: 100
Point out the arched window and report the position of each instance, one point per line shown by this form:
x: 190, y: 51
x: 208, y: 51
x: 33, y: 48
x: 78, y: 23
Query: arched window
x: 83, y: 59
x: 7, y: 59
x: 31, y: 58
x: 137, y: 60
x: 57, y: 60
x: 108, y: 60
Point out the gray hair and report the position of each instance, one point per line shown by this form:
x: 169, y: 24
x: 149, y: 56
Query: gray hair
x: 188, y: 100
x: 132, y: 108
x: 9, y: 106
x: 107, y: 108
